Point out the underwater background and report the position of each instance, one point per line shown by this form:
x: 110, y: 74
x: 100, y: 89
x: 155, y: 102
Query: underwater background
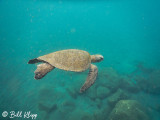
x: 125, y: 32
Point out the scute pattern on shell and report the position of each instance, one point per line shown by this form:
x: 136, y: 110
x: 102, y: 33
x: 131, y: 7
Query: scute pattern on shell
x: 70, y: 60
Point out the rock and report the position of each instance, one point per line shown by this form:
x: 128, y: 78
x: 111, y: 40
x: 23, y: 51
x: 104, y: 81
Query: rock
x: 65, y: 106
x: 100, y: 114
x: 147, y: 78
x: 47, y: 109
x: 102, y: 92
x: 151, y: 83
x: 98, y: 103
x: 119, y: 95
x: 48, y: 101
x: 91, y: 92
x: 129, y: 84
x: 46, y: 98
x: 109, y: 78
x: 72, y: 92
x: 154, y: 82
x: 79, y: 114
x: 128, y: 110
x: 50, y: 94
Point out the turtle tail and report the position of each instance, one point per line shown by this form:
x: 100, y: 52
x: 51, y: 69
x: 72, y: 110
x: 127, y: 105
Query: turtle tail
x: 32, y: 61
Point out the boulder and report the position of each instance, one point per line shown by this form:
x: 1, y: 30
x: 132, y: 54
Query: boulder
x: 148, y: 79
x: 128, y: 110
x: 73, y: 92
x: 91, y: 92
x: 65, y: 106
x: 109, y: 78
x: 79, y: 114
x: 129, y: 84
x: 102, y: 92
x: 119, y: 95
x: 153, y: 82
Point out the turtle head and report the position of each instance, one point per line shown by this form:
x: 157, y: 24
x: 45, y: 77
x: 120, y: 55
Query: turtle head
x: 96, y: 58
x: 42, y: 70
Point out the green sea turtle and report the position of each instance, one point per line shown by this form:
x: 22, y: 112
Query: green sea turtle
x: 69, y: 60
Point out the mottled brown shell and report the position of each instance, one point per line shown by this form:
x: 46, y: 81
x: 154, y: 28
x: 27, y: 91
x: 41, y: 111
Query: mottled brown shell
x: 70, y: 60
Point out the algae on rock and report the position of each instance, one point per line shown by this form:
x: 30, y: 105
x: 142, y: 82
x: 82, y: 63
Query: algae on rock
x: 128, y: 110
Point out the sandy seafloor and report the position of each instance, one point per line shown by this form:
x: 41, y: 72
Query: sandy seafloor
x: 126, y: 33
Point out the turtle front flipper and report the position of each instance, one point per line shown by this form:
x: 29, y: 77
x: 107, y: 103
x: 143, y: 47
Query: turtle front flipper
x: 42, y: 70
x: 90, y: 79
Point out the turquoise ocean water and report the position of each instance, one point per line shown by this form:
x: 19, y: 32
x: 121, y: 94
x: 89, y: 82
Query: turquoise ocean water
x: 126, y: 33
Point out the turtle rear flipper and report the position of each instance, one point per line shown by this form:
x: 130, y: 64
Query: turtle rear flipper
x: 92, y: 75
x: 42, y: 70
x: 33, y: 61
